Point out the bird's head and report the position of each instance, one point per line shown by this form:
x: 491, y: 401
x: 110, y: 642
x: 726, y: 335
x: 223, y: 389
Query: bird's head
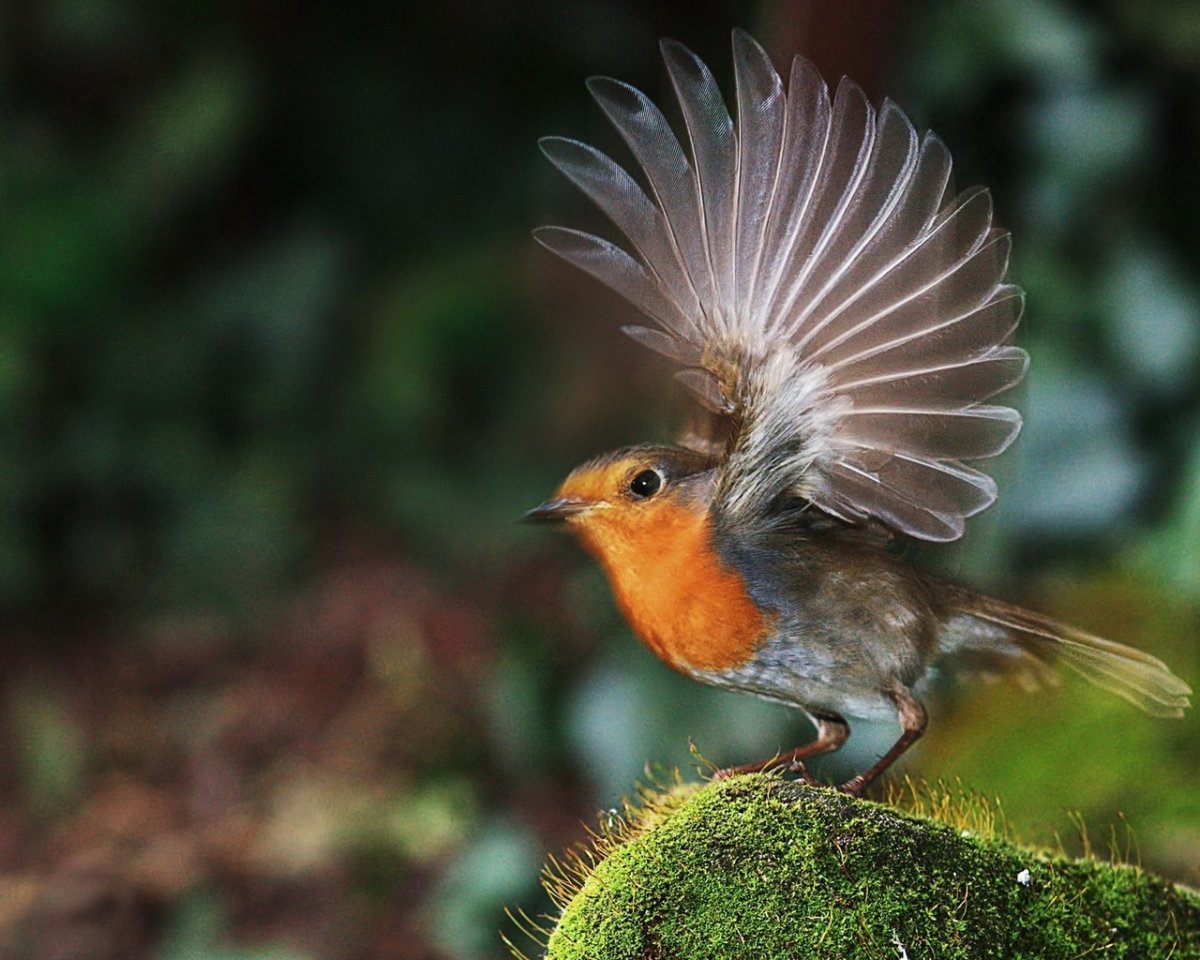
x: 617, y: 500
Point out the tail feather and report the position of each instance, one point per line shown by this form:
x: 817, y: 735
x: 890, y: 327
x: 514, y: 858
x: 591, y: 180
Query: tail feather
x: 1143, y: 680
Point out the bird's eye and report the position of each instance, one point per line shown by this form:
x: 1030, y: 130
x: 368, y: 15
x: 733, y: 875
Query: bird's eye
x: 645, y: 484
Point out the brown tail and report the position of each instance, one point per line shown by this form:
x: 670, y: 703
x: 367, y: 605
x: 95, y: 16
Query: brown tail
x: 1143, y: 680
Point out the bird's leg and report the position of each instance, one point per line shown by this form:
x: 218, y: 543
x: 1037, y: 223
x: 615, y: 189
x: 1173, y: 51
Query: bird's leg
x: 831, y: 734
x: 912, y: 724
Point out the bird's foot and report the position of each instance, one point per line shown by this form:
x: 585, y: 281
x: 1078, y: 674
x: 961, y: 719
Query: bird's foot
x: 854, y: 786
x: 727, y: 772
x: 773, y: 765
x: 799, y: 768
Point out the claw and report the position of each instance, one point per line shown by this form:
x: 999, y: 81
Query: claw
x: 799, y: 767
x: 726, y: 772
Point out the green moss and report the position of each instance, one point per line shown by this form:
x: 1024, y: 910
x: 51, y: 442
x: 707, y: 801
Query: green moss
x: 759, y: 867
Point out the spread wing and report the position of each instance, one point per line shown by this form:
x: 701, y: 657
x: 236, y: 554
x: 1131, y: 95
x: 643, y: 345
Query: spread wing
x: 810, y: 269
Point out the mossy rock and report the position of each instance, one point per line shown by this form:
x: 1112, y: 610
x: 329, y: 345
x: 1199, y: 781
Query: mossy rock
x: 759, y: 867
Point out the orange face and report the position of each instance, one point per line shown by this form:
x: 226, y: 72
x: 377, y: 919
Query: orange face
x: 652, y: 535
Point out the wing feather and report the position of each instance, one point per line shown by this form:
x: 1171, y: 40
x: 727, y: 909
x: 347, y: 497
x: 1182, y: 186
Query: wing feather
x: 949, y: 489
x: 954, y: 340
x: 887, y: 175
x: 805, y: 140
x: 946, y: 488
x: 675, y: 349
x: 921, y: 284
x: 969, y: 434
x: 843, y: 166
x: 710, y: 133
x: 618, y: 195
x: 864, y: 495
x: 809, y: 267
x: 656, y: 149
x: 761, y: 108
x: 883, y: 264
x: 943, y: 387
x: 611, y: 265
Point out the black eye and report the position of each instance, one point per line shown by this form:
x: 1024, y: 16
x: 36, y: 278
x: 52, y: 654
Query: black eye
x: 645, y: 484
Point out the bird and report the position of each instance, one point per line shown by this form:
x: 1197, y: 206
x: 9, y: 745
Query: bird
x: 842, y: 319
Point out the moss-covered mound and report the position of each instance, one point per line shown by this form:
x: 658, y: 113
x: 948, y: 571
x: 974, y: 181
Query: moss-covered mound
x: 757, y: 867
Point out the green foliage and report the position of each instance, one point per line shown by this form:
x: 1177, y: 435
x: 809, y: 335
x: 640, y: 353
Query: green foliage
x: 196, y: 928
x: 758, y: 867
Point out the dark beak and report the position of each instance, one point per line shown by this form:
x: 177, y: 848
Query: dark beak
x: 556, y: 511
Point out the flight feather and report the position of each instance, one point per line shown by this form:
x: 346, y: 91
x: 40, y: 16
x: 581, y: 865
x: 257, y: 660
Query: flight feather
x: 807, y: 264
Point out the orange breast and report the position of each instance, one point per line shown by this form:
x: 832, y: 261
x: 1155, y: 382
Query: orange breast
x: 688, y: 606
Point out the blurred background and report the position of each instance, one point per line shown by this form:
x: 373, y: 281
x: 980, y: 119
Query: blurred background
x: 281, y: 676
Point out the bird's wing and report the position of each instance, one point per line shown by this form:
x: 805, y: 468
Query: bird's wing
x: 810, y: 269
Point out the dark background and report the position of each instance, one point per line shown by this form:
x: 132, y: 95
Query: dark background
x: 280, y: 675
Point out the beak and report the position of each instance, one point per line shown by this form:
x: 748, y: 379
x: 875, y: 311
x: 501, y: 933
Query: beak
x: 556, y: 510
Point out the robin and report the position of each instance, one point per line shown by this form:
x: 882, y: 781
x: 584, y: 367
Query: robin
x: 843, y: 322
